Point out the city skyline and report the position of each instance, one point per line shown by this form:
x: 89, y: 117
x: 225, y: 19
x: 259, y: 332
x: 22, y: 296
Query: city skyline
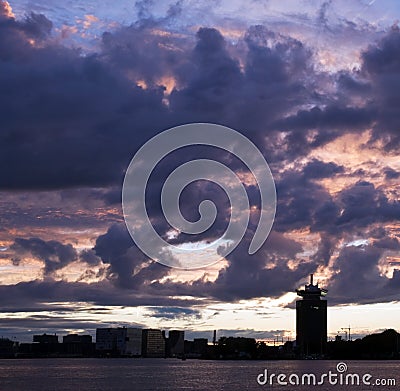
x: 311, y: 327
x: 84, y: 85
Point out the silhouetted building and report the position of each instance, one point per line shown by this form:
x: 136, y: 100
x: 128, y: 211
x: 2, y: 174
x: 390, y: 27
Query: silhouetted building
x: 176, y: 343
x: 153, y: 343
x: 78, y: 345
x: 132, y: 343
x: 120, y: 341
x: 311, y: 321
x: 76, y: 338
x: 45, y: 338
x: 25, y: 350
x: 46, y: 345
x: 236, y: 348
x: 106, y: 340
x: 200, y: 346
x: 189, y: 349
x: 8, y: 348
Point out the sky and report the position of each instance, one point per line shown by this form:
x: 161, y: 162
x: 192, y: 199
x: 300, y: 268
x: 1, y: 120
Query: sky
x: 83, y: 85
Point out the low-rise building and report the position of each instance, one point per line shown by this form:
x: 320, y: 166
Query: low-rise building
x: 8, y: 348
x: 45, y: 338
x: 78, y: 345
x: 76, y: 338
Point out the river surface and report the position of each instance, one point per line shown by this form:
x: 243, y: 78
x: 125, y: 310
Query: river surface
x: 172, y: 374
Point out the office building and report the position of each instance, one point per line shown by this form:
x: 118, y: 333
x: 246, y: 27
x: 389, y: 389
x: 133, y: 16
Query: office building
x: 131, y: 342
x: 153, y: 343
x: 311, y: 321
x: 122, y: 341
x: 176, y: 343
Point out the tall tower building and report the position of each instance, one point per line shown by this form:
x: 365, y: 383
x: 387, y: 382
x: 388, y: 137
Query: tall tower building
x: 311, y: 320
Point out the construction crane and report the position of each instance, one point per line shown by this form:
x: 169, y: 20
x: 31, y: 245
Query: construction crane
x: 345, y: 329
x: 345, y: 333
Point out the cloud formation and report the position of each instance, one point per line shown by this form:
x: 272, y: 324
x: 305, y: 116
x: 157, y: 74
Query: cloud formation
x: 72, y: 119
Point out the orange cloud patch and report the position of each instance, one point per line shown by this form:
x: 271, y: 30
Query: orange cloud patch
x: 168, y: 82
x: 67, y: 31
x: 7, y: 9
x: 352, y: 152
x: 89, y: 20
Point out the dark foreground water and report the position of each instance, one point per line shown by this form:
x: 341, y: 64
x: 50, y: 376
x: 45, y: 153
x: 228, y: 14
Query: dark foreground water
x: 172, y: 374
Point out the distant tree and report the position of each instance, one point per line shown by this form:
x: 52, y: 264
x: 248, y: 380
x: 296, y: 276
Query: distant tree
x: 237, y: 348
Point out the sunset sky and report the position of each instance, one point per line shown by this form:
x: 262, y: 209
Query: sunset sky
x: 83, y: 85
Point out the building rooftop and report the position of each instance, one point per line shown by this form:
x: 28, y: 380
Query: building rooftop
x: 312, y: 291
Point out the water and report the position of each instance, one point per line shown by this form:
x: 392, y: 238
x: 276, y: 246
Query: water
x: 172, y: 374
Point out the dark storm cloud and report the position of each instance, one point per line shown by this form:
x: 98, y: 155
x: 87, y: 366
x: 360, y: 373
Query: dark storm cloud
x: 146, y: 52
x: 37, y: 293
x: 76, y: 120
x: 363, y: 204
x: 129, y: 267
x: 89, y: 257
x: 352, y: 211
x: 37, y: 26
x: 358, y: 278
x: 272, y: 81
x: 67, y: 119
x: 133, y: 280
x: 332, y: 117
x: 381, y: 67
x: 388, y: 243
x: 309, y: 129
x: 265, y: 274
x: 390, y: 173
x: 315, y: 169
x: 55, y: 255
x: 73, y: 119
x: 302, y: 202
x: 349, y: 83
x: 114, y: 243
x: 212, y: 80
x: 376, y: 85
x: 325, y: 249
